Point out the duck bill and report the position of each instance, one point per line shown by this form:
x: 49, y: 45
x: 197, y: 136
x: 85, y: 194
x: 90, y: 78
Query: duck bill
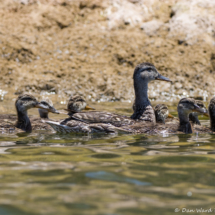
x: 170, y: 116
x: 206, y: 114
x: 53, y: 110
x: 162, y: 78
x: 199, y: 110
x: 89, y: 108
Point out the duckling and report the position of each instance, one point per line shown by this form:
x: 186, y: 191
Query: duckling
x: 193, y: 117
x: 38, y: 123
x: 44, y: 113
x: 162, y: 113
x: 23, y: 104
x: 76, y: 104
x: 185, y: 107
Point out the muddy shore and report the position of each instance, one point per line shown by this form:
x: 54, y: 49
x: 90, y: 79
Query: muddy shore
x: 92, y: 47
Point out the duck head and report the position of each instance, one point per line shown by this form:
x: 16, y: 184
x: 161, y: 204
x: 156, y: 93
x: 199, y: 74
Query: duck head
x: 26, y: 102
x: 161, y: 113
x: 77, y: 104
x: 193, y: 117
x: 143, y: 74
x: 49, y: 108
x: 185, y: 107
x: 147, y: 72
x: 211, y: 110
x: 23, y: 104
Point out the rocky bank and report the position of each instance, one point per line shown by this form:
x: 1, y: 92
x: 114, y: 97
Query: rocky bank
x: 91, y: 47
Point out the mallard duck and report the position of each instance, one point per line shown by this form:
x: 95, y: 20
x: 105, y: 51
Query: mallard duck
x: 162, y: 113
x: 44, y: 112
x: 143, y: 74
x: 185, y: 107
x: 39, y: 123
x: 22, y: 104
x: 75, y: 105
x: 193, y: 117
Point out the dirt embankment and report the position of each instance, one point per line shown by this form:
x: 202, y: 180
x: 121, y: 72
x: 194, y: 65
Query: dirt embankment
x: 92, y: 47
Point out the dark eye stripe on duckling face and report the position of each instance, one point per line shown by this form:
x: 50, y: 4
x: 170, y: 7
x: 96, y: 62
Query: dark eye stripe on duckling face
x: 45, y: 103
x: 27, y: 98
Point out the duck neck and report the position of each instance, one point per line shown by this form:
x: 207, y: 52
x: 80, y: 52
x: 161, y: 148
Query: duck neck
x: 185, y: 125
x: 43, y: 114
x: 23, y: 121
x: 143, y: 109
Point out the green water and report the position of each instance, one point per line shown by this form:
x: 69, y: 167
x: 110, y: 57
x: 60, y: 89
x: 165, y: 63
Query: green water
x: 48, y: 173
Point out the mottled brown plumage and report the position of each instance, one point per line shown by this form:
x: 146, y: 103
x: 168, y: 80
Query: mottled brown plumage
x: 74, y: 122
x: 161, y: 113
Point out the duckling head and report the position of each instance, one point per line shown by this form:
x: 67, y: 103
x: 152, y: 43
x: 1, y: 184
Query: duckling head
x: 23, y: 104
x: 77, y: 104
x: 211, y: 110
x: 185, y: 107
x: 193, y: 117
x: 161, y: 113
x: 50, y: 108
x: 26, y: 102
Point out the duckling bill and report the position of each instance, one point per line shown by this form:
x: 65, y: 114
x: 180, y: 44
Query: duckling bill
x: 49, y: 109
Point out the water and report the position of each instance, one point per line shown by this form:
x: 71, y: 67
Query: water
x: 48, y: 173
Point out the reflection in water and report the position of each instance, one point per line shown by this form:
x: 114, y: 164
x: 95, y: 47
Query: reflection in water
x: 48, y: 173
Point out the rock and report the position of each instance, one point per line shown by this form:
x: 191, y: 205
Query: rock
x: 151, y: 27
